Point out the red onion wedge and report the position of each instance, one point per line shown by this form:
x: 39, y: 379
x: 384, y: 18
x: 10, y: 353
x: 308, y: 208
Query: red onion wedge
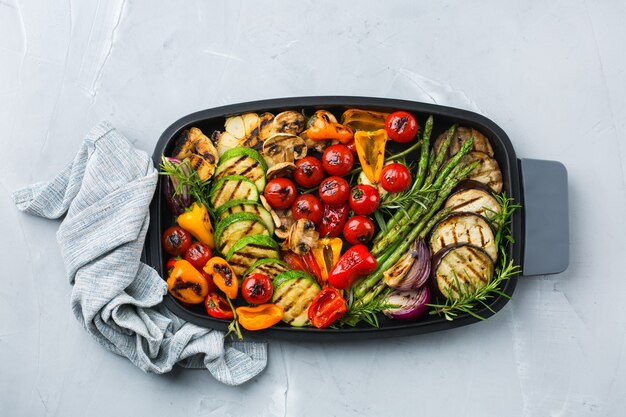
x: 410, y: 305
x: 412, y: 270
x: 176, y: 194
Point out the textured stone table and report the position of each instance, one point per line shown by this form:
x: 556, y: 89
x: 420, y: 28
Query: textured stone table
x: 551, y: 74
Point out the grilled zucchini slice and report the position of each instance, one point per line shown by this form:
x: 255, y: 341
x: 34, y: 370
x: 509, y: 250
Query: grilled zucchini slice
x: 460, y: 269
x: 236, y: 227
x: 246, y: 206
x: 232, y: 187
x: 245, y: 162
x: 464, y: 228
x: 245, y: 252
x: 269, y: 266
x: 474, y: 199
x: 294, y: 291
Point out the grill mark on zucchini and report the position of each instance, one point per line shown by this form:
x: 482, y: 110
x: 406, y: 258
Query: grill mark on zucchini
x: 281, y: 293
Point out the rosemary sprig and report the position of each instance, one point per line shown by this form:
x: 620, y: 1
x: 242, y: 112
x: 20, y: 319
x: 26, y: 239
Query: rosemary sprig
x: 470, y: 299
x: 187, y: 177
x: 502, y: 221
x: 366, y: 312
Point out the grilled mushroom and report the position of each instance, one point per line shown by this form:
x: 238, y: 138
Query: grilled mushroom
x: 283, y: 147
x: 317, y: 145
x: 303, y: 236
x: 283, y: 219
x: 282, y: 169
x: 290, y: 122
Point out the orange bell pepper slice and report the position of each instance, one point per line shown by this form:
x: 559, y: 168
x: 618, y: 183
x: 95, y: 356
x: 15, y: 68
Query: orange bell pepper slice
x: 223, y: 276
x: 358, y: 119
x: 186, y: 283
x: 259, y: 317
x: 323, y: 128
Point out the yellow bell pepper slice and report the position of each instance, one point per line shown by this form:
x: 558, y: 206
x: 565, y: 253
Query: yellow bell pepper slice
x: 198, y: 222
x: 327, y: 254
x: 359, y: 119
x: 370, y: 146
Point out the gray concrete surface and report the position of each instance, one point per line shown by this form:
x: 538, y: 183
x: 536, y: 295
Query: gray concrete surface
x: 551, y: 74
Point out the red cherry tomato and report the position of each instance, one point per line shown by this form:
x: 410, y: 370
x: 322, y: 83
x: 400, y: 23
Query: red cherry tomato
x: 176, y: 240
x: 198, y: 255
x: 334, y: 191
x: 217, y: 306
x: 307, y: 206
x: 257, y: 289
x: 364, y: 199
x: 333, y: 220
x: 358, y: 229
x: 395, y: 178
x: 337, y: 160
x: 280, y: 193
x: 309, y: 172
x: 401, y: 126
x: 352, y: 147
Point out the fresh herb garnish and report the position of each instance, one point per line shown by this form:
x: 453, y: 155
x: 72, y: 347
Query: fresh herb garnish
x: 186, y: 177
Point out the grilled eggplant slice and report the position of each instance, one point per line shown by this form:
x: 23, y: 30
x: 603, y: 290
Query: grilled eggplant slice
x: 237, y: 226
x: 481, y: 143
x: 487, y: 172
x: 268, y: 266
x: 232, y: 187
x: 468, y: 228
x: 476, y: 200
x: 245, y: 252
x: 243, y: 161
x: 294, y: 291
x: 459, y: 269
x: 246, y: 206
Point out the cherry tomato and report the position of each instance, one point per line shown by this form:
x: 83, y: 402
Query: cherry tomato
x: 280, y: 193
x: 198, y: 255
x: 358, y: 229
x: 395, y: 178
x: 364, y: 199
x: 307, y: 206
x: 217, y: 306
x: 309, y: 172
x: 333, y: 220
x: 176, y: 240
x: 352, y: 147
x: 257, y: 289
x: 401, y: 126
x: 337, y: 160
x: 334, y: 191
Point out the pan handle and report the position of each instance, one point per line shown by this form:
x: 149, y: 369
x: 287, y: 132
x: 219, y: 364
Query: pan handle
x: 546, y: 217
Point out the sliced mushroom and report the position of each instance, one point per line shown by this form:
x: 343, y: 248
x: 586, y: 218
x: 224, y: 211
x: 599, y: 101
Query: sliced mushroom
x: 282, y: 147
x: 303, y: 236
x: 317, y: 145
x: 281, y: 169
x: 283, y: 219
x: 290, y: 122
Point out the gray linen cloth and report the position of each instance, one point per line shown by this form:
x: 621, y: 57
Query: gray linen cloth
x: 105, y: 193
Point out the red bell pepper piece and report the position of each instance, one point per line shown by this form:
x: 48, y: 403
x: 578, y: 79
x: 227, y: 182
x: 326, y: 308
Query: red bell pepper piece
x: 217, y: 306
x: 333, y: 220
x: 354, y: 264
x: 312, y: 265
x: 327, y: 307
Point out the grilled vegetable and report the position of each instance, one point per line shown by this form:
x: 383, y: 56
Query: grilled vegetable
x: 186, y: 284
x: 240, y: 131
x: 281, y: 169
x: 283, y: 219
x: 464, y: 228
x: 474, y: 197
x: 245, y: 252
x: 409, y: 305
x: 223, y: 276
x: 259, y: 317
x: 358, y: 119
x: 199, y: 150
x: 246, y: 206
x: 216, y: 306
x: 245, y: 162
x: 323, y: 126
x: 303, y: 236
x: 326, y: 254
x: 282, y: 147
x: 481, y: 143
x: 176, y: 240
x: 257, y: 289
x: 327, y: 307
x: 355, y: 263
x: 198, y: 222
x: 294, y: 291
x: 370, y: 147
x: 236, y: 227
x: 232, y: 187
x: 269, y: 266
x: 487, y: 172
x: 460, y: 269
x: 177, y: 193
x: 412, y: 271
x: 290, y: 122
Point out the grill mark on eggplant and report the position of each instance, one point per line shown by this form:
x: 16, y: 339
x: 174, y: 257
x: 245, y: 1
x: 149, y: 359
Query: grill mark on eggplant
x: 465, y: 203
x: 482, y: 237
